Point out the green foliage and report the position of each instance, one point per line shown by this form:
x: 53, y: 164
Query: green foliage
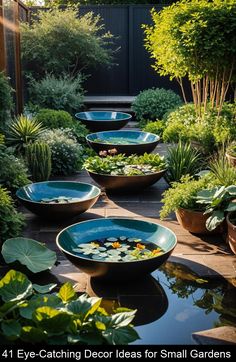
x: 193, y: 38
x: 231, y: 149
x: 6, y: 101
x: 39, y: 159
x: 66, y: 152
x: 51, y: 118
x: 34, y: 255
x: 58, y: 92
x: 58, y: 41
x: 128, y: 166
x: 209, y: 130
x: 183, y: 194
x: 217, y: 202
x: 2, y: 139
x: 58, y: 318
x: 152, y: 104
x: 11, y: 222
x: 13, y: 172
x: 23, y: 131
x: 182, y: 160
x: 156, y: 127
x: 223, y: 172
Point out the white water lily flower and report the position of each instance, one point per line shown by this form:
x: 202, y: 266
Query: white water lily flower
x: 107, y: 244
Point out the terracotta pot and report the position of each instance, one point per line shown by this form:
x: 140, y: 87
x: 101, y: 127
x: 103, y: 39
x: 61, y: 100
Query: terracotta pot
x: 195, y: 221
x: 231, y: 237
x: 231, y: 159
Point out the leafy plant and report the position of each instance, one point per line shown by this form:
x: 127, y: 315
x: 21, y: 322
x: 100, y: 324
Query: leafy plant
x: 183, y: 194
x: 217, y: 202
x: 39, y: 161
x: 231, y: 149
x: 156, y: 127
x: 59, y: 41
x: 196, y: 39
x: 13, y: 171
x: 30, y: 314
x: 152, y: 104
x: 6, y: 101
x: 11, y: 221
x: 60, y: 93
x: 128, y: 166
x: 66, y: 152
x: 223, y: 172
x: 52, y: 119
x: 23, y: 131
x: 34, y: 255
x: 182, y: 160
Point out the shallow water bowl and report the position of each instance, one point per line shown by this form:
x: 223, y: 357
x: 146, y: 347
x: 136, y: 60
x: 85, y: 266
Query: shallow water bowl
x: 126, y: 142
x: 70, y: 239
x: 58, y: 199
x: 126, y: 183
x: 103, y: 120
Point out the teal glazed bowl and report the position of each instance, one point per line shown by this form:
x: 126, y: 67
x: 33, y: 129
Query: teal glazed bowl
x: 103, y: 120
x: 82, y: 195
x: 126, y: 142
x: 84, y: 232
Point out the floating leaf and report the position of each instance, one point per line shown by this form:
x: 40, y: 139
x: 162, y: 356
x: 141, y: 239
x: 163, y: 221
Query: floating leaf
x: 15, y: 286
x: 35, y: 256
x: 66, y: 292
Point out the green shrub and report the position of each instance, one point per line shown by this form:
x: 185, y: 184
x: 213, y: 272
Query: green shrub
x: 182, y: 160
x: 13, y: 172
x: 66, y: 152
x: 23, y: 131
x: 51, y: 118
x: 58, y: 41
x: 2, y: 139
x: 39, y: 161
x: 152, y: 104
x: 224, y: 173
x: 6, y: 101
x: 11, y: 222
x: 60, y: 93
x: 209, y: 130
x: 183, y: 194
x: 156, y: 127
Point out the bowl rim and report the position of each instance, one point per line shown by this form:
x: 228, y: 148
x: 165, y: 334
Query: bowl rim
x: 98, y: 190
x: 129, y: 116
x: 157, y: 138
x: 126, y: 176
x: 114, y: 262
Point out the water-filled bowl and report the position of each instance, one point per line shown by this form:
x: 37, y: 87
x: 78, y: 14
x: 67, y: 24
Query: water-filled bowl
x: 69, y: 239
x: 58, y: 199
x: 126, y: 142
x: 103, y: 120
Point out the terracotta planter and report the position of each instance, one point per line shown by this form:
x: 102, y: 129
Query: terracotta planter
x: 231, y: 237
x: 195, y: 222
x: 231, y: 159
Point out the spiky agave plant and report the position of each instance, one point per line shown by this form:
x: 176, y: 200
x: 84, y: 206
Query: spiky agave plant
x: 22, y: 131
x: 182, y: 160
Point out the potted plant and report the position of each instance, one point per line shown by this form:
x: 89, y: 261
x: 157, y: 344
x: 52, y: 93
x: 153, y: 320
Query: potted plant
x: 181, y: 199
x: 118, y: 172
x: 231, y: 236
x: 231, y: 154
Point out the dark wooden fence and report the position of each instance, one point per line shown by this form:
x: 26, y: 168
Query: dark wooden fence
x: 133, y: 72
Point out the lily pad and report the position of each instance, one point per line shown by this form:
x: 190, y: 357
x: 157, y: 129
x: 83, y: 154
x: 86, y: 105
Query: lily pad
x: 34, y: 255
x: 112, y: 239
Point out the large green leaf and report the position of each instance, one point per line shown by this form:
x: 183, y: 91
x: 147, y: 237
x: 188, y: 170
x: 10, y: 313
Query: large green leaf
x: 28, y: 308
x: 231, y: 190
x: 52, y: 320
x: 34, y: 255
x: 15, y: 286
x: 32, y: 335
x: 43, y: 289
x: 215, y: 219
x: 120, y: 336
x: 231, y: 207
x: 84, y: 306
x: 11, y: 329
x: 122, y: 319
x: 67, y: 292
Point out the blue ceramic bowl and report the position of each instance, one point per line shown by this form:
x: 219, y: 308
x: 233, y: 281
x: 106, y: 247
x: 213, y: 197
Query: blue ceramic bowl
x: 126, y: 142
x: 87, y: 231
x: 103, y: 120
x: 82, y: 195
